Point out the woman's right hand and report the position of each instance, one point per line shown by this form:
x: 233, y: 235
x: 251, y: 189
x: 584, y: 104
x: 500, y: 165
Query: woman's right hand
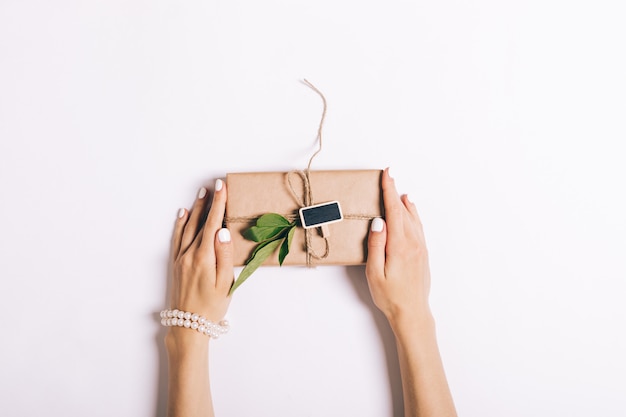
x: 397, y: 267
x: 202, y: 264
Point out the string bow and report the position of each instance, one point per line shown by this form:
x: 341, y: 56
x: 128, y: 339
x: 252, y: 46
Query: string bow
x: 307, y: 194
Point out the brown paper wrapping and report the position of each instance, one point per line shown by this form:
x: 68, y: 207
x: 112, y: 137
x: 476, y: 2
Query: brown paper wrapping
x: 253, y: 194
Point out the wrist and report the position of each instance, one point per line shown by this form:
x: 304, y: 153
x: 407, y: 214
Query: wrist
x: 412, y: 322
x: 180, y: 342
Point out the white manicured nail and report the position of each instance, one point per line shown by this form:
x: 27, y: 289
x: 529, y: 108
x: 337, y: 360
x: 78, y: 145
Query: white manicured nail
x: 219, y: 184
x: 377, y: 225
x: 181, y: 213
x: 223, y: 235
x: 202, y: 193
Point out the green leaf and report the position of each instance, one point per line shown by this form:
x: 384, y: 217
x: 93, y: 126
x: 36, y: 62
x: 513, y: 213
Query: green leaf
x: 259, y: 256
x: 267, y: 227
x: 284, y: 248
x: 261, y: 246
x: 290, y: 234
x: 271, y: 231
x: 272, y: 220
x: 259, y: 234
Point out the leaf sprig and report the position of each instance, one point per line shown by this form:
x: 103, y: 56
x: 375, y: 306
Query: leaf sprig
x: 271, y: 232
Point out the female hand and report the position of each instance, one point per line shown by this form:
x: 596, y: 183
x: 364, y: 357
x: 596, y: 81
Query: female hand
x: 201, y: 258
x: 399, y: 279
x: 397, y: 264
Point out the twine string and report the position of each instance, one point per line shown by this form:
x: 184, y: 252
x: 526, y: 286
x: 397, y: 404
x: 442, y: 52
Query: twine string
x: 292, y: 217
x: 307, y: 199
x: 321, y: 125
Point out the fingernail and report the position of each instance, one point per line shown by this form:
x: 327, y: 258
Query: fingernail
x: 377, y: 225
x: 219, y: 184
x: 201, y: 193
x: 181, y: 213
x: 223, y: 235
x: 389, y: 173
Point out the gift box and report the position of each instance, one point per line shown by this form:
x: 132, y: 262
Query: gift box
x: 252, y: 194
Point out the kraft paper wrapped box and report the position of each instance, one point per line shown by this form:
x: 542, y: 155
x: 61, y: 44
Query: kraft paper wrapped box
x: 252, y: 194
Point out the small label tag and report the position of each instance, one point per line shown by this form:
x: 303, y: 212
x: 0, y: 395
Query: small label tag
x: 321, y: 214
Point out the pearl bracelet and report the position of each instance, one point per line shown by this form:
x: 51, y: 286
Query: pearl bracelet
x: 195, y: 322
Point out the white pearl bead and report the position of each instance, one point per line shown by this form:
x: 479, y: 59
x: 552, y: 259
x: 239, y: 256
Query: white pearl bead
x: 193, y: 321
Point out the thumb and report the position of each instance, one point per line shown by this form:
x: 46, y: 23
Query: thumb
x: 376, y: 243
x: 224, y: 259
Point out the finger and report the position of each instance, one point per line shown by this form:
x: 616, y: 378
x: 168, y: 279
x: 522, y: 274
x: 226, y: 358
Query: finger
x: 177, y: 235
x: 410, y: 207
x: 376, y: 243
x: 195, y: 217
x: 213, y: 222
x: 215, y: 217
x: 224, y: 260
x: 413, y: 214
x: 393, y: 205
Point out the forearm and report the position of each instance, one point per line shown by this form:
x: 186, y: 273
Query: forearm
x: 424, y: 384
x: 189, y: 393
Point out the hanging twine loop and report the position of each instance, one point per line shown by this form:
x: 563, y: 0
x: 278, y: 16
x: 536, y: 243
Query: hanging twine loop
x: 299, y: 184
x: 307, y: 194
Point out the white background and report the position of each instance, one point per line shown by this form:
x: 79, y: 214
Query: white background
x: 504, y: 121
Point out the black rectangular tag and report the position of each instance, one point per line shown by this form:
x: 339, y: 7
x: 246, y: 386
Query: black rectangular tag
x: 321, y: 214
